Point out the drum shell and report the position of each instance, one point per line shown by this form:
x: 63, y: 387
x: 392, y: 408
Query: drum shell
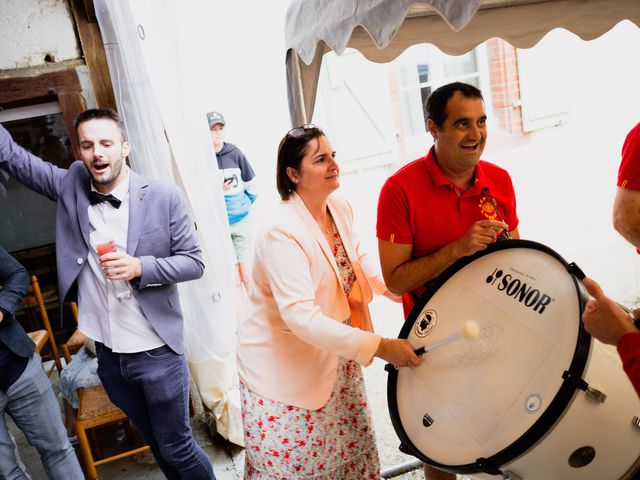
x: 606, y: 427
x: 567, y: 413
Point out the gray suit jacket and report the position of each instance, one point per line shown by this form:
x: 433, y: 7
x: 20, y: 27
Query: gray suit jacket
x: 14, y: 281
x: 161, y: 233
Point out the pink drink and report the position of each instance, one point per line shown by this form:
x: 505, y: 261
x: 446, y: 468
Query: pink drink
x: 107, y: 247
x: 120, y: 288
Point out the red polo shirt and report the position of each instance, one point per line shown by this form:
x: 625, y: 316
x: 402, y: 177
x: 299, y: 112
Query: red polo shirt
x: 629, y: 350
x: 629, y: 172
x: 420, y: 206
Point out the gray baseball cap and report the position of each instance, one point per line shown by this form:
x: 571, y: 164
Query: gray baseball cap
x: 215, y: 117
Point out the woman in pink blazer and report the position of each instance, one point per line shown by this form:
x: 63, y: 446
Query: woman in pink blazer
x: 308, y: 329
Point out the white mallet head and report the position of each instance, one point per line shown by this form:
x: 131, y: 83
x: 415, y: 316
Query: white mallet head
x: 470, y: 330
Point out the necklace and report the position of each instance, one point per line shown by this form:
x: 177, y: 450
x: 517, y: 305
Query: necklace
x: 325, y: 222
x: 326, y: 229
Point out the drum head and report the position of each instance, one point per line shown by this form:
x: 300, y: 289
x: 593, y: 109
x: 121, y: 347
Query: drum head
x: 473, y: 405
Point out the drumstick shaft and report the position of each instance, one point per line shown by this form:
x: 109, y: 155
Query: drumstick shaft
x: 439, y: 343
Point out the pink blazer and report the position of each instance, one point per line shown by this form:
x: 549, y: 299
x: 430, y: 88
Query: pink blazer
x: 289, y: 344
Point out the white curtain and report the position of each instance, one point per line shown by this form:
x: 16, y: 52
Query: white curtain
x: 163, y: 90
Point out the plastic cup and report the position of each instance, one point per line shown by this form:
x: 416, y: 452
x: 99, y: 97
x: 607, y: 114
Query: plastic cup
x: 119, y: 287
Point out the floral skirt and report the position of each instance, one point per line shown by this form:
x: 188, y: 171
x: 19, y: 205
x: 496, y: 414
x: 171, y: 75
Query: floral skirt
x: 284, y: 442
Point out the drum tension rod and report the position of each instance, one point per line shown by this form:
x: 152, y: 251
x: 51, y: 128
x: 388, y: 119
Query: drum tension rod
x: 578, y: 382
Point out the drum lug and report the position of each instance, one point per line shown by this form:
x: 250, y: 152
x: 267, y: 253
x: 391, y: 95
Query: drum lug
x: 509, y: 475
x: 575, y: 270
x: 488, y: 467
x: 578, y: 382
x: 635, y: 422
x: 405, y: 449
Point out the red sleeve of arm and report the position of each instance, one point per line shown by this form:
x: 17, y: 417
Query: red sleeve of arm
x: 629, y: 350
x: 629, y: 171
x: 393, y: 214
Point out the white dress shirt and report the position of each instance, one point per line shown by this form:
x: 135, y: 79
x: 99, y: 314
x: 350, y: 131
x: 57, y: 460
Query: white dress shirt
x: 120, y: 326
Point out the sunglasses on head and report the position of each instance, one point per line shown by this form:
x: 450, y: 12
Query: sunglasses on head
x: 300, y: 131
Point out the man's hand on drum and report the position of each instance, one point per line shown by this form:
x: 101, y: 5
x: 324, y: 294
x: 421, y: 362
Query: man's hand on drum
x: 398, y: 352
x: 603, y: 318
x: 481, y: 234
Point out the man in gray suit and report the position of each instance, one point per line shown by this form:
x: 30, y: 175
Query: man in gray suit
x: 25, y: 391
x: 127, y: 294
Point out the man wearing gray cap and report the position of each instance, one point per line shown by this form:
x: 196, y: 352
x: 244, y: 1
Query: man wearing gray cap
x: 238, y: 186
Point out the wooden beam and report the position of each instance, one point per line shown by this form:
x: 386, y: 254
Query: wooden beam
x: 63, y: 86
x: 71, y: 104
x: 16, y: 89
x: 90, y: 11
x: 94, y: 55
x: 36, y: 70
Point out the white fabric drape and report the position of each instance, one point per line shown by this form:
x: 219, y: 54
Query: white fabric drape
x: 154, y: 51
x: 383, y: 29
x: 333, y: 21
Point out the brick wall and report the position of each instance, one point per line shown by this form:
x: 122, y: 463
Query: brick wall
x: 397, y: 117
x: 505, y: 93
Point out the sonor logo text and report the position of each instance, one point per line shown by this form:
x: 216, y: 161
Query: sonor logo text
x: 519, y: 290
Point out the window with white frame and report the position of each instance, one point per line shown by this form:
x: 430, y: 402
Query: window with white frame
x: 423, y: 68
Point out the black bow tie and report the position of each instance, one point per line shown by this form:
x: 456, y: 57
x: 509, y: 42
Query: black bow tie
x: 95, y: 197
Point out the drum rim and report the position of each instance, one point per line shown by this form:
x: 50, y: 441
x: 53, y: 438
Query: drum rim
x: 548, y: 418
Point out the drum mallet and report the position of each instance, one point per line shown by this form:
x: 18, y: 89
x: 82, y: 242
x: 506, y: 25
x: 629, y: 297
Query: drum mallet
x: 469, y: 331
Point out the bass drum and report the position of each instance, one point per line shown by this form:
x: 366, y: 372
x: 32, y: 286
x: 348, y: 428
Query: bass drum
x: 526, y: 399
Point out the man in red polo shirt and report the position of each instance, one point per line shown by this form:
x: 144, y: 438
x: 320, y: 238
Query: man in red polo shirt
x: 439, y: 208
x: 444, y: 206
x: 603, y: 318
x: 626, y: 209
